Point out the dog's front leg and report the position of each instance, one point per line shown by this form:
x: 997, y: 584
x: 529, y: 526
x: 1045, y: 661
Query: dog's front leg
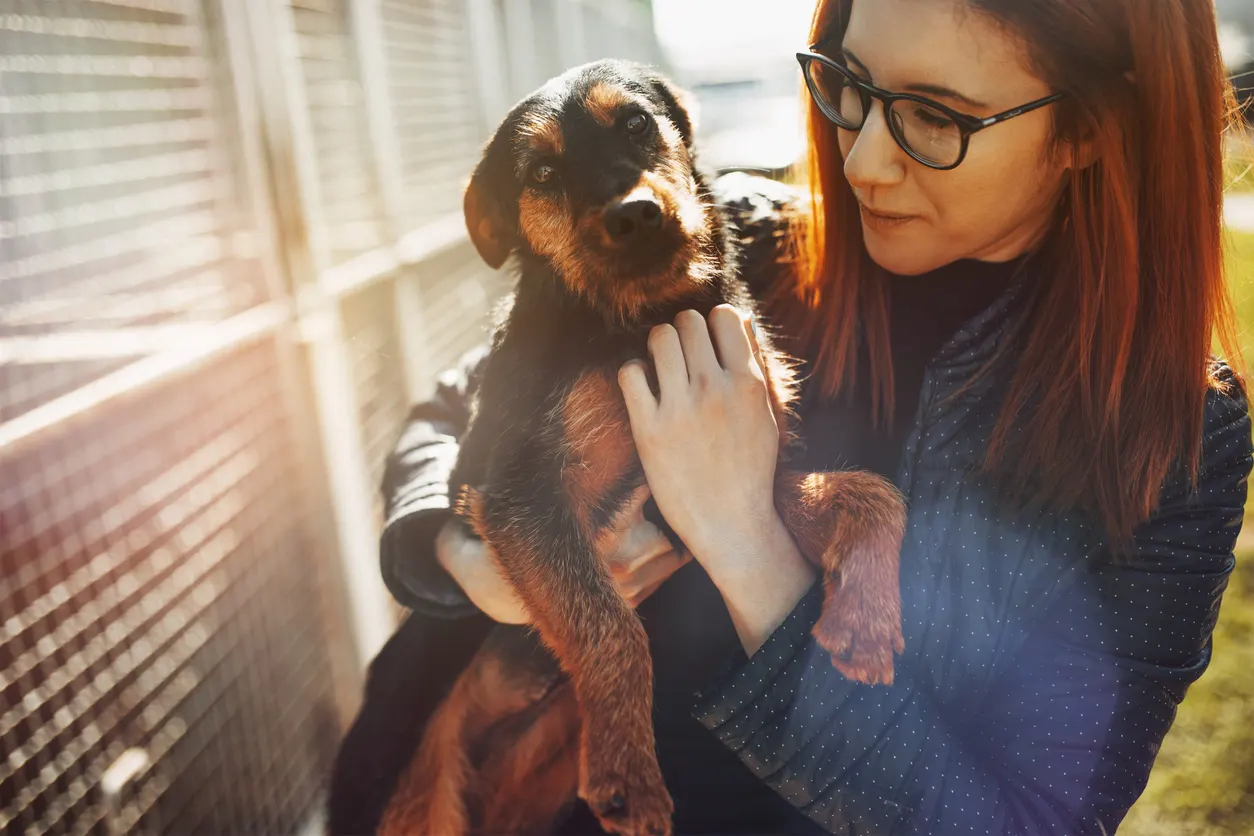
x: 549, y: 507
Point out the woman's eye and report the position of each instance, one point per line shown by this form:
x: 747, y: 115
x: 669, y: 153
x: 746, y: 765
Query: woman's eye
x: 543, y: 174
x: 932, y: 118
x: 637, y: 124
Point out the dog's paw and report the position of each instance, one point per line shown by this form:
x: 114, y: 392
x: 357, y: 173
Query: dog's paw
x: 630, y: 797
x: 861, y: 635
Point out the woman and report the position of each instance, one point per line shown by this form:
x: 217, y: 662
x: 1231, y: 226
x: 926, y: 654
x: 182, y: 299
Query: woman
x: 1009, y: 315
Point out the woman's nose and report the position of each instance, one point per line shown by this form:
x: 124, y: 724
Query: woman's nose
x: 875, y: 159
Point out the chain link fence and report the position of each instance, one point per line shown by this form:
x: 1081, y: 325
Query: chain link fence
x: 231, y: 255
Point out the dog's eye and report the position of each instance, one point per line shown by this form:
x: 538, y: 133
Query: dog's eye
x: 637, y: 124
x: 543, y: 174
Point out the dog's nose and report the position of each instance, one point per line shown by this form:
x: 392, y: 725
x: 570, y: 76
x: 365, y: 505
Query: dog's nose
x: 633, y: 217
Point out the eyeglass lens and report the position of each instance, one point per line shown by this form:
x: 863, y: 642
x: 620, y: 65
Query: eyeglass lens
x: 924, y: 131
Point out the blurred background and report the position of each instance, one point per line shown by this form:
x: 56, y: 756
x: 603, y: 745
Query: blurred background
x: 231, y: 255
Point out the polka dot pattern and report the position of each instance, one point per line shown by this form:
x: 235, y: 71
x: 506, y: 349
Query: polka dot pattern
x: 1038, y: 679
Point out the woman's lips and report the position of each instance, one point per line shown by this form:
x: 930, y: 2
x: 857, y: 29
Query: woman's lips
x: 884, y: 220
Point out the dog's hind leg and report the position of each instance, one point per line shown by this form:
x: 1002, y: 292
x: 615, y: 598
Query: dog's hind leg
x: 493, y: 704
x: 850, y: 524
x: 431, y: 795
x: 531, y: 780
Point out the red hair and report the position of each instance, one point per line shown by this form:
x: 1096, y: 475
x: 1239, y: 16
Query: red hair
x: 1114, y: 352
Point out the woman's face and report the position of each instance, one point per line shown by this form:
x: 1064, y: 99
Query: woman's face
x: 995, y: 205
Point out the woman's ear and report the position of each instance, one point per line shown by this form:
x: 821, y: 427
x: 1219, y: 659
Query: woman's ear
x: 1083, y: 153
x: 486, y: 221
x: 1083, y: 150
x: 1077, y: 150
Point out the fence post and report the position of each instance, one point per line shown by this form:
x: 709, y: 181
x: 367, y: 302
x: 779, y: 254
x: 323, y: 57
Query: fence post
x: 486, y: 43
x: 289, y: 135
x: 521, y: 34
x: 410, y: 319
x: 570, y: 33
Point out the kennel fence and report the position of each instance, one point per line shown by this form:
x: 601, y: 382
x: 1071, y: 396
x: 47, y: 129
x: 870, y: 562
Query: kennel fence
x: 231, y: 255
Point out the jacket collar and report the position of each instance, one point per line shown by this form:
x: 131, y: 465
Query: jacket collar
x: 958, y: 359
x: 979, y: 338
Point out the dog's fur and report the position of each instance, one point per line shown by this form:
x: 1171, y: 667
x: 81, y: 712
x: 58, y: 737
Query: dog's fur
x: 623, y: 235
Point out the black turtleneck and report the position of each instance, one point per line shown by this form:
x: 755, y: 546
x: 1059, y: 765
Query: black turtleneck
x: 925, y: 311
x: 690, y: 632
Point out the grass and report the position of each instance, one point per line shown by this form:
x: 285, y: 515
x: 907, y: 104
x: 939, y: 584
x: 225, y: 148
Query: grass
x: 1203, y: 780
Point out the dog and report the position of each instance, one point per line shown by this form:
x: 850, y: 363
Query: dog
x: 592, y: 184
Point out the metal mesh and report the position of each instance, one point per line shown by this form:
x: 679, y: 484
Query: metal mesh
x: 347, y: 190
x: 162, y: 570
x: 547, y: 23
x: 175, y: 563
x: 157, y: 594
x: 116, y: 205
x: 434, y: 102
x: 457, y: 290
x: 378, y: 371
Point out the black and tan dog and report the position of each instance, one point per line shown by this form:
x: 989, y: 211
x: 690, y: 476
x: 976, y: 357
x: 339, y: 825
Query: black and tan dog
x: 591, y: 182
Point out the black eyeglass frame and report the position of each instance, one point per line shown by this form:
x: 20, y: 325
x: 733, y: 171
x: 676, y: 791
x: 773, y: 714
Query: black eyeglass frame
x: 967, y: 124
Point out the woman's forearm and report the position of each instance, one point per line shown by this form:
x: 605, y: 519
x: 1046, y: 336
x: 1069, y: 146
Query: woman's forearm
x: 761, y: 575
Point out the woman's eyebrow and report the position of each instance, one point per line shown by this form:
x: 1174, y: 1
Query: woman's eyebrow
x: 929, y: 89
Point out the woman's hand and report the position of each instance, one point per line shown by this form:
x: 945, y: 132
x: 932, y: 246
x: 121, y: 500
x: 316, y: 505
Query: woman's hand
x: 709, y: 443
x: 472, y: 563
x: 709, y: 440
x: 639, y: 556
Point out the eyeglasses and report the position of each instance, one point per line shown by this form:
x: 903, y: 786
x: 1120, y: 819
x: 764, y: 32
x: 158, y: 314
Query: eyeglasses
x: 927, y: 130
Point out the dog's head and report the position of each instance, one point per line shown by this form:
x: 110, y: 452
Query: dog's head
x: 594, y: 173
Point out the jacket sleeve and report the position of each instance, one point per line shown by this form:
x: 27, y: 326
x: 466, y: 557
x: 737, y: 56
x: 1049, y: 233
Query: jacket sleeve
x: 1063, y: 739
x: 415, y: 494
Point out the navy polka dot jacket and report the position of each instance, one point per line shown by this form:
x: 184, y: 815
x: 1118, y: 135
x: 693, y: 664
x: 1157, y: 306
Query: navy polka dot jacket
x: 1038, y: 679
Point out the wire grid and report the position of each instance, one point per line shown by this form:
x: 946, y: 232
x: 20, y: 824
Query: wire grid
x: 163, y: 572
x: 157, y: 592
x: 458, y: 292
x: 378, y: 371
x: 348, y: 193
x: 376, y: 355
x: 604, y: 38
x: 434, y: 103
x: 545, y: 16
x: 619, y: 30
x: 116, y: 200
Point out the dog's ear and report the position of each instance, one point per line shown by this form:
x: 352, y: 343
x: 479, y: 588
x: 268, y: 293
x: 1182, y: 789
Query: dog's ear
x: 681, y: 106
x: 486, y: 219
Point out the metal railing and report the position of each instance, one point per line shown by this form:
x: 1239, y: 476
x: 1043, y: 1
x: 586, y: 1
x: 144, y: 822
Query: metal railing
x: 231, y: 254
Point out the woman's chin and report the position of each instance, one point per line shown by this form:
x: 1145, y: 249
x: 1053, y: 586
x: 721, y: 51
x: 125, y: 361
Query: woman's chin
x: 899, y: 256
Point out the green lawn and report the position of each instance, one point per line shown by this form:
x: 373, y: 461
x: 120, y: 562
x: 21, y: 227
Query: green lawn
x: 1241, y: 276
x: 1203, y: 781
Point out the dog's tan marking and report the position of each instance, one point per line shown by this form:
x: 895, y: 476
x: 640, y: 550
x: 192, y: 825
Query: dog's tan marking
x: 543, y: 131
x: 671, y: 138
x: 598, y: 443
x: 550, y: 231
x: 675, y: 168
x: 604, y: 100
